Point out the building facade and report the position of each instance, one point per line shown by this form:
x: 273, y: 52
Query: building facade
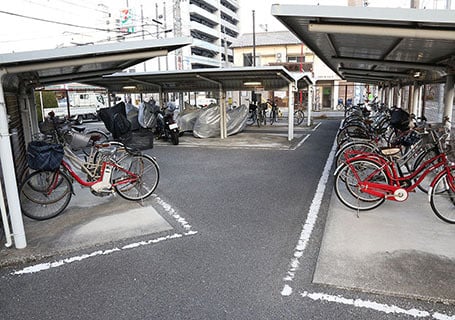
x: 282, y: 48
x: 214, y: 26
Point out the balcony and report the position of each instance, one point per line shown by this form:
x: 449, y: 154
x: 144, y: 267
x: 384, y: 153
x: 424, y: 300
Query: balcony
x: 230, y: 26
x: 212, y: 62
x: 204, y: 29
x: 230, y: 13
x: 206, y: 45
x: 203, y: 14
x: 233, y: 3
x: 211, y: 3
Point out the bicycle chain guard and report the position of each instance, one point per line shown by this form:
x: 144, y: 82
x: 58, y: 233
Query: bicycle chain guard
x: 400, y: 195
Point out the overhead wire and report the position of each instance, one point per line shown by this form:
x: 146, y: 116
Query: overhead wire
x: 53, y: 21
x: 119, y: 31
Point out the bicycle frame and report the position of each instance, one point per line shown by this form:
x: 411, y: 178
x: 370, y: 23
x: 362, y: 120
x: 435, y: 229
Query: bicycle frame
x: 89, y: 168
x: 394, y: 190
x: 132, y: 177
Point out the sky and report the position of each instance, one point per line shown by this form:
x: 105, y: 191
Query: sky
x: 263, y: 17
x: 21, y: 34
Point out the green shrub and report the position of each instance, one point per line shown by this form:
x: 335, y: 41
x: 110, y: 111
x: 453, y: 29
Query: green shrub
x: 49, y: 101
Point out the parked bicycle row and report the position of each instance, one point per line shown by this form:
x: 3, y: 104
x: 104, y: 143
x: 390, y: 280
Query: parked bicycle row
x: 268, y: 112
x: 386, y: 154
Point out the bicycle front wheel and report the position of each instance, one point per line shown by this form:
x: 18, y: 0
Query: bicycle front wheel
x: 347, y: 185
x: 298, y: 117
x: 146, y: 172
x: 442, y: 197
x: 45, y: 194
x: 272, y: 117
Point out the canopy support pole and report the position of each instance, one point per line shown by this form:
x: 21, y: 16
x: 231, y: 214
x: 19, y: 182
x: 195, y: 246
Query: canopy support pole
x: 223, y: 115
x: 9, y: 176
x: 449, y: 92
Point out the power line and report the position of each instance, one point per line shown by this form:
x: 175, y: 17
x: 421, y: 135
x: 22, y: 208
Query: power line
x: 53, y: 21
x: 64, y: 9
x: 85, y: 7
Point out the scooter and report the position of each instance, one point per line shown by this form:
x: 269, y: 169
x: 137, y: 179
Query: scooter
x: 166, y: 127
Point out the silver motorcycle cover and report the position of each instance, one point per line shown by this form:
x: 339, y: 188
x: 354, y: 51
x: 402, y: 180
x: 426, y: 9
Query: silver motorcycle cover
x: 208, y: 123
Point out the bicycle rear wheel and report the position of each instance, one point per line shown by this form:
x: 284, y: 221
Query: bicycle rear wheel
x: 148, y: 175
x: 348, y: 190
x: 99, y: 137
x: 442, y: 197
x: 352, y: 131
x: 298, y: 117
x: 272, y: 117
x: 45, y: 194
x: 361, y: 146
x: 252, y: 118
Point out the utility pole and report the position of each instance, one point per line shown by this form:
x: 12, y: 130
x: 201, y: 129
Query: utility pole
x: 143, y: 35
x: 165, y: 33
x: 415, y: 4
x: 157, y: 32
x: 178, y: 33
x: 254, y: 40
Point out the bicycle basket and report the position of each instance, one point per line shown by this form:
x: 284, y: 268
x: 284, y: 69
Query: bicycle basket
x: 407, y: 139
x: 78, y: 140
x: 46, y: 127
x: 44, y: 156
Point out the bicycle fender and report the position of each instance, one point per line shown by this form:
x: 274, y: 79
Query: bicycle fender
x: 452, y: 167
x: 339, y: 168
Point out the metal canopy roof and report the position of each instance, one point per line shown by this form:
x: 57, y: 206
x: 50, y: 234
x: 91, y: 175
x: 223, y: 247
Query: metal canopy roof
x: 73, y: 64
x: 364, y: 44
x: 250, y: 78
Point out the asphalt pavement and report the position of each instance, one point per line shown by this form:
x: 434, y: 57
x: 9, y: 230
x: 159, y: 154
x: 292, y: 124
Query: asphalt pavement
x: 398, y: 249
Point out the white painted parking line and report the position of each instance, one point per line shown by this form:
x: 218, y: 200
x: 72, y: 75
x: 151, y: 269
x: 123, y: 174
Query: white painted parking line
x: 308, y: 226
x: 372, y: 305
x: 301, y: 142
x: 167, y: 208
x: 316, y: 127
x: 305, y: 236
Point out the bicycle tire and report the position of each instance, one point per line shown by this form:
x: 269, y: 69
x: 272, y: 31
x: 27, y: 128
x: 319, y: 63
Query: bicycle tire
x: 42, y: 197
x: 352, y: 131
x: 259, y: 119
x: 442, y: 198
x: 424, y: 185
x: 252, y: 119
x: 148, y: 172
x: 346, y: 186
x: 272, y: 117
x: 360, y: 146
x: 299, y: 116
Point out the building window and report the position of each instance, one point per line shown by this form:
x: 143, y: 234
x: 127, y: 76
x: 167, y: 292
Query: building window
x: 247, y: 59
x: 296, y: 59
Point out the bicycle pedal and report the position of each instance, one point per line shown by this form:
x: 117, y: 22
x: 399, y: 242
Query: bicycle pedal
x: 102, y: 193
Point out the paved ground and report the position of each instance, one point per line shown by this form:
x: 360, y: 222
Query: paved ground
x: 399, y: 248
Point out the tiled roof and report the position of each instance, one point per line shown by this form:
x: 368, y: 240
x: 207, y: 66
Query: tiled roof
x: 265, y: 39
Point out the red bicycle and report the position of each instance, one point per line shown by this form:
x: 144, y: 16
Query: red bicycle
x: 110, y: 167
x: 366, y: 180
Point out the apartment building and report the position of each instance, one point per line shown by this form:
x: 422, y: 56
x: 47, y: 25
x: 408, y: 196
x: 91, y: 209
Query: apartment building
x: 214, y: 26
